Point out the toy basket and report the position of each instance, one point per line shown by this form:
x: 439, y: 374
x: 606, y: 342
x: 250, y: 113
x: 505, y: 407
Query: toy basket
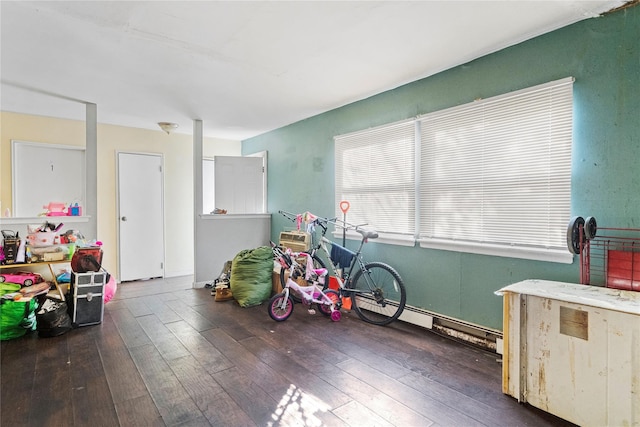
x: 42, y: 238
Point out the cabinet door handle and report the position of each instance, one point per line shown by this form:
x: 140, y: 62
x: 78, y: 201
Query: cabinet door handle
x: 124, y: 218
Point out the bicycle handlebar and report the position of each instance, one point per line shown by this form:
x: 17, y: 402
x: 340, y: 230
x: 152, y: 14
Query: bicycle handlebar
x: 288, y: 215
x: 324, y: 221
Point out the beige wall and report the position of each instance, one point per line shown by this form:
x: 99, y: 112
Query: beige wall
x: 177, y: 150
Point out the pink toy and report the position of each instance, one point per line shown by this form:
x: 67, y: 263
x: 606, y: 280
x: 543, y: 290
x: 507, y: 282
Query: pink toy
x: 74, y: 210
x: 110, y: 289
x: 42, y: 238
x: 55, y: 209
x: 22, y: 278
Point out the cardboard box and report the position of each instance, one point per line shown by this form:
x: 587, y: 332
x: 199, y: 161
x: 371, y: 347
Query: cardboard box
x: 276, y: 288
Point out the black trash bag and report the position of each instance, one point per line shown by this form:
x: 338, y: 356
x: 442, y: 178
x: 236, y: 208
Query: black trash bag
x: 52, y: 318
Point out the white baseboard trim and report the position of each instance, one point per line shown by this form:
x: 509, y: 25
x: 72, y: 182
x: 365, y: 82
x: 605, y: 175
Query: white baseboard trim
x: 486, y: 338
x: 202, y: 284
x: 178, y: 273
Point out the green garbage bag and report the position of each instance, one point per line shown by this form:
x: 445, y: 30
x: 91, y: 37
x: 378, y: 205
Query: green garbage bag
x: 251, y: 271
x: 16, y: 317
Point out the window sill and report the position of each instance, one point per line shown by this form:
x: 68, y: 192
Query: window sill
x: 536, y: 254
x: 222, y: 217
x: 389, y: 239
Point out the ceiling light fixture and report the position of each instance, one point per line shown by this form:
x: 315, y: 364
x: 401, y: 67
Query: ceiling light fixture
x: 167, y: 126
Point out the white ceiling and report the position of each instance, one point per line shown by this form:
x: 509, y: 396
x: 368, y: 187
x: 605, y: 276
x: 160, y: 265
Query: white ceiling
x: 245, y: 67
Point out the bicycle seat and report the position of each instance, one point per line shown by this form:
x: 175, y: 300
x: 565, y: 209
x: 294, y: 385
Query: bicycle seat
x: 367, y: 233
x: 321, y: 272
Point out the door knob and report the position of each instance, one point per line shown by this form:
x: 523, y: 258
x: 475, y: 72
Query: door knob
x: 124, y: 218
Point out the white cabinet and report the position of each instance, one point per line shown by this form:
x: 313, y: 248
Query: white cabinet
x: 573, y: 351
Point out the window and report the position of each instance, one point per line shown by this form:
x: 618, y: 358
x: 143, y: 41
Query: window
x: 375, y: 172
x: 497, y: 172
x: 492, y: 176
x: 241, y: 184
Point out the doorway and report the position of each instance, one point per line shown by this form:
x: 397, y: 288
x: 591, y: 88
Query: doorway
x: 140, y: 216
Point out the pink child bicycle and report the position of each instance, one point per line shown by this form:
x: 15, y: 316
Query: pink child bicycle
x: 315, y: 292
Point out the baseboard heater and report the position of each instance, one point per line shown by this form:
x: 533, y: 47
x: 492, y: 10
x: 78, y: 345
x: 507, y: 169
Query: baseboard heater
x: 485, y: 338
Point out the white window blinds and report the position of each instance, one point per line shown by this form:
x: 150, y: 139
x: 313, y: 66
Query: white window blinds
x: 498, y: 171
x: 375, y: 172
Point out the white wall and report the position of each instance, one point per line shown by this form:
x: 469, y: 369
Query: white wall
x: 222, y: 237
x: 177, y: 150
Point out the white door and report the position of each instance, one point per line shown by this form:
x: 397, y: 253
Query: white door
x: 239, y: 185
x: 140, y: 213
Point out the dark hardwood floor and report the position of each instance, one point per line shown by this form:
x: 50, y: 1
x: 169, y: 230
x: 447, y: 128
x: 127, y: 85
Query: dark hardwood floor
x: 168, y: 355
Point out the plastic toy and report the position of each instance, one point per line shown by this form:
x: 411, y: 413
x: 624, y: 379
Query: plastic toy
x: 110, y: 289
x: 74, y: 210
x: 22, y: 278
x: 55, y: 209
x: 47, y: 238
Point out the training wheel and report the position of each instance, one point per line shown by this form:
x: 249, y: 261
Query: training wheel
x: 336, y: 316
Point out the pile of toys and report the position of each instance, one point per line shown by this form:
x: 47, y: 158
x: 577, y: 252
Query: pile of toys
x: 17, y: 302
x: 29, y: 284
x: 44, y: 243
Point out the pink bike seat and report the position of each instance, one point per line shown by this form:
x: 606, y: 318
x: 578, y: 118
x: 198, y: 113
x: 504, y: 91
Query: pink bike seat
x: 321, y: 271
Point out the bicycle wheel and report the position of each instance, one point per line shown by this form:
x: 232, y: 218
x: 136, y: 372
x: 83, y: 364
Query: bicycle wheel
x: 333, y: 296
x: 301, y: 270
x: 276, y: 312
x: 378, y: 294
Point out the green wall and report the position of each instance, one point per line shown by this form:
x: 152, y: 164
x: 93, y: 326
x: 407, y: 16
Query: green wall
x: 603, y: 56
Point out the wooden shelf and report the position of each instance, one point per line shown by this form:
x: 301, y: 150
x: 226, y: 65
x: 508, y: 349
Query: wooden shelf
x: 49, y: 264
x: 33, y: 264
x: 42, y: 219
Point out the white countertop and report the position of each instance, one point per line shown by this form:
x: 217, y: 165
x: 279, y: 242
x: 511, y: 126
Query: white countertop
x: 595, y: 296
